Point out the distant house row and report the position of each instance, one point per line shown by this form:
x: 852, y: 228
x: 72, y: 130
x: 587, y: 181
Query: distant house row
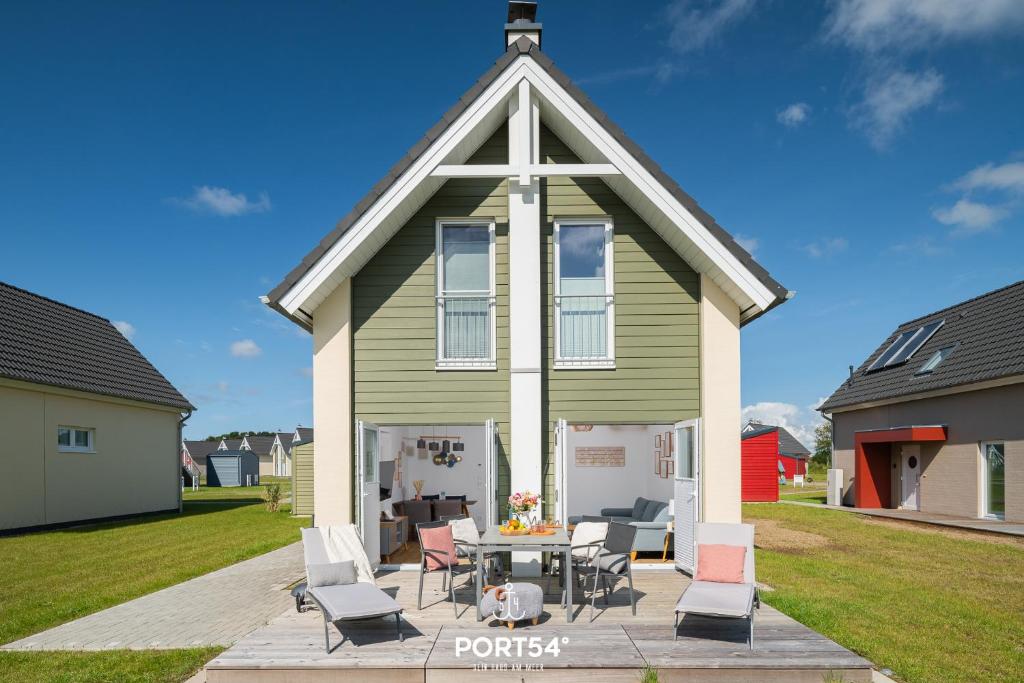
x: 275, y: 452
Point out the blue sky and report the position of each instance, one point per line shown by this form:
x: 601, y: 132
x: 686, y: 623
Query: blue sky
x: 870, y: 153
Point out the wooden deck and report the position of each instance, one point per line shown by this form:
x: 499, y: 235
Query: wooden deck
x: 614, y: 647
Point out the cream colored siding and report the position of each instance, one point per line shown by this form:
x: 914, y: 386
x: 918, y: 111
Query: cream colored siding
x: 395, y: 325
x: 135, y: 467
x: 952, y: 471
x: 656, y: 376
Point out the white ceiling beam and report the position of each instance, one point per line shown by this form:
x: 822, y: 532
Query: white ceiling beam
x: 509, y: 171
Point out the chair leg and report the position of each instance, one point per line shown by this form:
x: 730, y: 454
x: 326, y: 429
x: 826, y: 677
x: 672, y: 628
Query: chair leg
x: 675, y: 627
x: 593, y: 594
x: 751, y: 638
x: 451, y: 591
x: 327, y: 636
x: 398, y: 625
x: 632, y: 598
x: 419, y: 597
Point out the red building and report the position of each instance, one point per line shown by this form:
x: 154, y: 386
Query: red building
x: 769, y: 452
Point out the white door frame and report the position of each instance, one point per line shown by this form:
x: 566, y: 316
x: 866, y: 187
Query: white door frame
x: 490, y: 473
x: 367, y: 519
x: 561, y: 506
x: 910, y: 477
x: 687, y: 497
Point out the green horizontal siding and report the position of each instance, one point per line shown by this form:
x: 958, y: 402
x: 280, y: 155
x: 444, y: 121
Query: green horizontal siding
x: 302, y: 479
x: 656, y: 376
x: 395, y: 319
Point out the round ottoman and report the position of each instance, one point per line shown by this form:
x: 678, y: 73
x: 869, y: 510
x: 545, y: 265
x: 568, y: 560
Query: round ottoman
x: 513, y: 602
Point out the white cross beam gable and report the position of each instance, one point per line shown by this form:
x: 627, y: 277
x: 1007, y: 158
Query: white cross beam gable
x: 603, y: 156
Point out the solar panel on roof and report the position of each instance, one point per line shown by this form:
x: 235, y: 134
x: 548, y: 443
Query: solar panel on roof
x: 922, y: 335
x: 893, y: 349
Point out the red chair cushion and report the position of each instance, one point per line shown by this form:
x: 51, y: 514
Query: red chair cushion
x: 438, y: 538
x: 720, y: 563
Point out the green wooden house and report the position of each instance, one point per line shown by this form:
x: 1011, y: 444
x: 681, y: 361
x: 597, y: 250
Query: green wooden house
x: 527, y: 273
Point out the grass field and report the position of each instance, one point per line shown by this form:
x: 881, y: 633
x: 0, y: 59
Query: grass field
x: 238, y: 493
x: 52, y: 577
x: 932, y: 605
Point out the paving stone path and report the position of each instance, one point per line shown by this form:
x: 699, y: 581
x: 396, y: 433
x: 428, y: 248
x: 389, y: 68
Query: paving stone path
x: 218, y: 608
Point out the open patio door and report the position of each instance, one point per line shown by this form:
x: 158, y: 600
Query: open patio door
x: 491, y: 473
x: 687, y: 491
x: 368, y: 488
x: 560, y: 510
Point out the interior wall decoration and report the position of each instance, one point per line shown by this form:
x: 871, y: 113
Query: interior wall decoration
x: 664, y: 462
x: 600, y: 456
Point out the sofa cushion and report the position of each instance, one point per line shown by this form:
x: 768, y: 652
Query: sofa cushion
x: 663, y: 515
x: 331, y: 574
x: 652, y: 509
x: 638, y: 507
x: 465, y: 531
x: 717, y: 599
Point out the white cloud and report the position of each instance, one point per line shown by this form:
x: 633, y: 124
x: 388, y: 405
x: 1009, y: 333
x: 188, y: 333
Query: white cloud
x: 695, y: 25
x: 875, y: 25
x: 969, y: 217
x: 890, y: 99
x: 1008, y: 177
x: 749, y: 243
x: 222, y: 202
x: 794, y: 115
x: 826, y: 246
x: 245, y: 348
x: 125, y: 328
x: 800, y: 422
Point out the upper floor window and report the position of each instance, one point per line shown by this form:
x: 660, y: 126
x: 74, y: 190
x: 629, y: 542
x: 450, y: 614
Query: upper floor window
x: 76, y: 440
x: 465, y: 294
x: 584, y: 321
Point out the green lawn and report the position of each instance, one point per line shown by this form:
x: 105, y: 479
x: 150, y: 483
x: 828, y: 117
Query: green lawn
x: 805, y: 495
x: 237, y: 493
x: 930, y: 605
x: 52, y: 577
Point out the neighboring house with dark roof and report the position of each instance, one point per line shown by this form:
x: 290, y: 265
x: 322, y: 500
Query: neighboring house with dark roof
x: 932, y: 419
x: 524, y: 266
x: 229, y: 444
x: 198, y: 450
x: 280, y: 454
x: 769, y: 452
x: 302, y: 435
x: 261, y: 446
x: 93, y: 428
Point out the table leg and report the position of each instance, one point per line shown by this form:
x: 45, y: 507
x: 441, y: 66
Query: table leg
x: 567, y: 567
x: 664, y: 552
x: 479, y: 579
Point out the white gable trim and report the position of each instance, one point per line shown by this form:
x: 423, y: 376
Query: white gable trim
x: 356, y: 245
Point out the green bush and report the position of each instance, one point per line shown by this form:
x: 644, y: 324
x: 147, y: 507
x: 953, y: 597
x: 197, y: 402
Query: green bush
x: 272, y: 497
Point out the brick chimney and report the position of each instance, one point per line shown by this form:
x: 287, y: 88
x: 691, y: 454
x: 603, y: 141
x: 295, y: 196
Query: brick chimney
x: 522, y: 22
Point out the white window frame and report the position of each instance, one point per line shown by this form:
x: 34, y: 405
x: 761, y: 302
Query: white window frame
x: 442, y: 363
x: 983, y: 462
x: 608, y: 362
x: 71, y: 447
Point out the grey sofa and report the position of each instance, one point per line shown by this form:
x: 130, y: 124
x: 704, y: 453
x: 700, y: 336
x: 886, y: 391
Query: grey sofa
x: 650, y: 517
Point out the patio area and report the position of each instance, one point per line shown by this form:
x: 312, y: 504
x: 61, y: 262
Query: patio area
x: 614, y: 647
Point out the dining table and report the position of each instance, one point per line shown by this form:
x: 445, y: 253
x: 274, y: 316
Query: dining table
x: 492, y: 540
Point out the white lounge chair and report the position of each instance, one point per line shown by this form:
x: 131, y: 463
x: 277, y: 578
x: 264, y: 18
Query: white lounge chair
x: 723, y: 600
x: 351, y: 601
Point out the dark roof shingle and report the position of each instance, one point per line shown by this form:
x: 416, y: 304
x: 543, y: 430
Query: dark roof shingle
x: 987, y: 331
x: 788, y: 444
x: 46, y: 342
x: 524, y: 46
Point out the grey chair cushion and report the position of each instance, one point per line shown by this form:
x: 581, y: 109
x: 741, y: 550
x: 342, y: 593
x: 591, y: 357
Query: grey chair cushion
x: 331, y: 574
x: 354, y: 601
x: 662, y: 515
x: 611, y: 563
x: 638, y: 507
x: 652, y: 509
x: 717, y: 599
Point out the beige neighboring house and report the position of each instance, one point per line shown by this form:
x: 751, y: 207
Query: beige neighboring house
x: 93, y: 429
x: 523, y: 274
x: 931, y: 421
x: 281, y: 451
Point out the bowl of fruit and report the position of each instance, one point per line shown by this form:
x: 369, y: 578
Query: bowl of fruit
x: 513, y: 527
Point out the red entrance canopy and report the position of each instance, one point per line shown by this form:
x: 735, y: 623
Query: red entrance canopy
x: 871, y: 463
